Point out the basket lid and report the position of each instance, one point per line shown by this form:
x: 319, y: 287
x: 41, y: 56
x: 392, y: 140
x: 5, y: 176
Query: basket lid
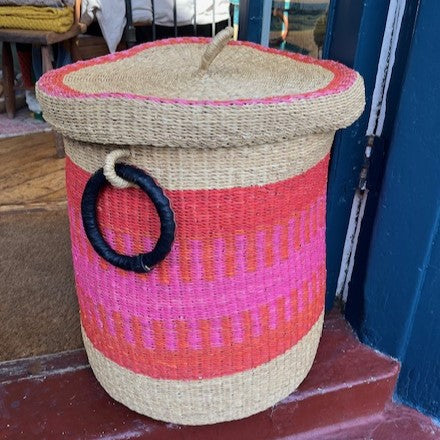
x: 198, y: 92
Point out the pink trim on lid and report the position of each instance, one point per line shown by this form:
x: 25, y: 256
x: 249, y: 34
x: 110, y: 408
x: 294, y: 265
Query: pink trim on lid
x: 52, y: 83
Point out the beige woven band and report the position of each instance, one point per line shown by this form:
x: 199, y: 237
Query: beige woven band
x: 175, y: 126
x: 208, y: 401
x: 195, y: 168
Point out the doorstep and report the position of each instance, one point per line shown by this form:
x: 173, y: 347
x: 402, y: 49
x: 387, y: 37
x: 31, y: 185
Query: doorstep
x: 57, y: 397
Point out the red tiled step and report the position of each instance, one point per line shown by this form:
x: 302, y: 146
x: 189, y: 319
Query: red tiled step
x: 57, y: 397
x: 396, y: 422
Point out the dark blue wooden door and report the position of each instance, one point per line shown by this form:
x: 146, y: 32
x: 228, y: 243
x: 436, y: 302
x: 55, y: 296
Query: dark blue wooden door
x: 394, y: 293
x: 394, y: 300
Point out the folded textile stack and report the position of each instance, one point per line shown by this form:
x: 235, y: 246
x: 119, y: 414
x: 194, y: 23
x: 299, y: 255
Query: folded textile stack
x: 37, y: 15
x: 45, y: 3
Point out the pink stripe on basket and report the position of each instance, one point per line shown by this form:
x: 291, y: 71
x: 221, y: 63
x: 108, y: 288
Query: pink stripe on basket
x: 311, y: 293
x: 175, y: 298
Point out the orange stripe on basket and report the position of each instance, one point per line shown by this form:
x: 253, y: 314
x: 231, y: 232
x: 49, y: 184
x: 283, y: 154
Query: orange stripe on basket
x: 163, y: 269
x: 227, y: 331
x: 205, y: 333
x: 208, y: 260
x: 284, y: 242
x: 184, y: 261
x: 119, y: 243
x: 136, y: 327
x: 297, y: 232
x: 230, y: 255
x: 251, y: 252
x: 137, y: 243
x: 159, y: 336
x: 264, y: 319
x: 119, y: 326
x: 321, y: 284
x: 182, y: 335
x: 268, y: 248
x: 103, y: 265
x: 281, y: 309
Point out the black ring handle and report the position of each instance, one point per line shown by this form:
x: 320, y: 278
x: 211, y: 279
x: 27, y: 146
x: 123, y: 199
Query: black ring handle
x: 138, y: 263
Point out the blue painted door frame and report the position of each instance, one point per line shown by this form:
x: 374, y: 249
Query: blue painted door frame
x: 355, y: 39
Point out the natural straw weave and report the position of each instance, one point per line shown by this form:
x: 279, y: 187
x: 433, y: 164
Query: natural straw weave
x: 228, y: 324
x: 191, y: 168
x: 153, y: 95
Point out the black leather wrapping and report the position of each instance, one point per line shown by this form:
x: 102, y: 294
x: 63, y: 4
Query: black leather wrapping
x: 138, y: 263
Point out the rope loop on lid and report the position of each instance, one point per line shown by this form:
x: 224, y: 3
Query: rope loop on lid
x: 109, y: 168
x: 218, y: 43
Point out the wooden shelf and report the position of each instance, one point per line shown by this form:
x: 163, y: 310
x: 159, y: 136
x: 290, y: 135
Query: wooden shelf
x: 40, y: 37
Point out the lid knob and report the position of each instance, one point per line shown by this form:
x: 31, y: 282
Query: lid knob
x: 218, y: 43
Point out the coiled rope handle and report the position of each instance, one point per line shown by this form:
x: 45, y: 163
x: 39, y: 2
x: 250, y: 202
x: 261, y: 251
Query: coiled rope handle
x: 218, y: 43
x: 122, y: 176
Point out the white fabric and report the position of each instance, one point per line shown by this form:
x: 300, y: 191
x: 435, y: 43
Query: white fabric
x: 111, y: 18
x: 163, y: 11
x: 31, y: 101
x: 111, y: 14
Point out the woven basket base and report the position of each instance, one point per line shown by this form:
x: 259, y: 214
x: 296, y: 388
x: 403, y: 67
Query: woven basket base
x: 201, y: 402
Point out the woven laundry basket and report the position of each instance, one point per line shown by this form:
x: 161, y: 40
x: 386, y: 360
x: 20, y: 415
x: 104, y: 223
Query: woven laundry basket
x: 201, y: 291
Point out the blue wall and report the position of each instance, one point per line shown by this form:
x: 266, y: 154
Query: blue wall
x: 397, y: 308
